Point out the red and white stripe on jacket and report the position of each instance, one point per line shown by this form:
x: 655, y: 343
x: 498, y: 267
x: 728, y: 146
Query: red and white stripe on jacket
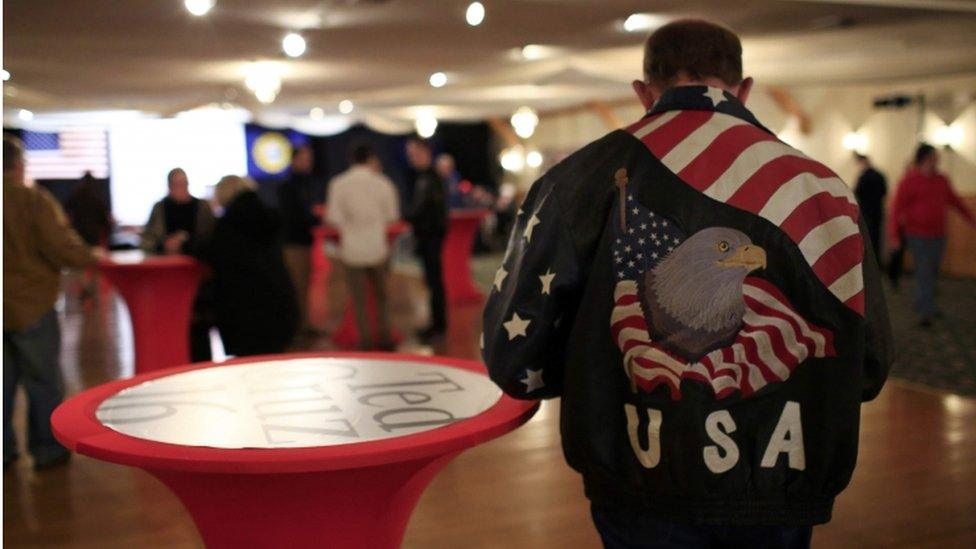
x: 732, y: 161
x: 773, y: 341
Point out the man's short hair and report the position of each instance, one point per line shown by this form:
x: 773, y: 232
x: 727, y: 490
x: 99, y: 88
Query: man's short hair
x: 922, y: 153
x: 172, y: 173
x: 420, y: 141
x: 360, y: 153
x: 692, y: 49
x: 860, y: 157
x: 13, y: 152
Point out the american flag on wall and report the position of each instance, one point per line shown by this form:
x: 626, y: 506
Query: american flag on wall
x: 733, y: 161
x: 768, y: 343
x: 66, y: 154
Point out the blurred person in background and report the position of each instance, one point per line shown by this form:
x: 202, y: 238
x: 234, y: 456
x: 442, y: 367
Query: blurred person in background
x: 427, y: 214
x: 918, y: 214
x: 446, y: 169
x: 870, y: 192
x: 297, y: 205
x: 255, y: 307
x: 180, y: 221
x: 362, y: 203
x: 37, y: 243
x: 90, y: 217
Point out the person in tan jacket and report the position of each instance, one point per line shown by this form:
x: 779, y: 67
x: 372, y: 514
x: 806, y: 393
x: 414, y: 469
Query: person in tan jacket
x: 37, y: 243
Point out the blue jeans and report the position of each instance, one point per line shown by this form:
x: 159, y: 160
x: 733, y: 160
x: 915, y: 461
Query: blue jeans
x: 628, y: 529
x: 32, y: 357
x: 927, y: 257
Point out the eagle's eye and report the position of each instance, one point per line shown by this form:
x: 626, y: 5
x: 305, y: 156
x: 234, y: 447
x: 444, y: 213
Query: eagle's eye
x: 722, y: 246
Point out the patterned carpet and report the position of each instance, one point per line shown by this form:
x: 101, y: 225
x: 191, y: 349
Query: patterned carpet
x: 942, y: 357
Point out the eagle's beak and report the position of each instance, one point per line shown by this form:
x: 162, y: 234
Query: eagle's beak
x: 749, y: 256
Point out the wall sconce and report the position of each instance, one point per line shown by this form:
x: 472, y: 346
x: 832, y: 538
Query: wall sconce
x: 948, y: 136
x: 856, y: 142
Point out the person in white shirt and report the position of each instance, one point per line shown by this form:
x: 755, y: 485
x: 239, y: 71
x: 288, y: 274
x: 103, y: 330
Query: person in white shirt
x: 362, y: 202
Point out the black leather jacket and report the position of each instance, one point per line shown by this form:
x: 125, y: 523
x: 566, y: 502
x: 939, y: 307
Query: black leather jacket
x: 704, y: 300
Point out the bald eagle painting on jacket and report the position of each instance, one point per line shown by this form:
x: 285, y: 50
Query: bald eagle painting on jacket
x: 704, y: 301
x: 692, y: 299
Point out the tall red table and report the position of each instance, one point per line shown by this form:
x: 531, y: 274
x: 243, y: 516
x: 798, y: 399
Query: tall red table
x: 294, y: 451
x: 347, y: 335
x: 159, y: 293
x: 458, y: 282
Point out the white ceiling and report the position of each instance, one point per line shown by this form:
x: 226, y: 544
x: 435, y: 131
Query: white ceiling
x: 156, y: 57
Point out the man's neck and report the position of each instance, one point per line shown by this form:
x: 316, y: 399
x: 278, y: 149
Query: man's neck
x: 710, y: 82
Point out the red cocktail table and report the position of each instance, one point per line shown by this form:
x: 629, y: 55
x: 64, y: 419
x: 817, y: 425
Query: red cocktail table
x: 294, y: 451
x: 347, y: 335
x: 459, y: 284
x: 159, y: 293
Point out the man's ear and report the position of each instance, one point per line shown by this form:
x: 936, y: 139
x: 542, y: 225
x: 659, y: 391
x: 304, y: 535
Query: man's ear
x: 744, y: 88
x: 645, y: 93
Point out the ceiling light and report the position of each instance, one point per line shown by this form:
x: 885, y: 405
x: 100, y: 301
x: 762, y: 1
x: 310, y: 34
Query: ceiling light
x: 524, y: 122
x: 426, y: 125
x: 25, y: 115
x: 6, y: 75
x: 438, y: 79
x: 316, y: 113
x: 199, y: 7
x: 346, y: 106
x: 533, y: 159
x: 949, y: 136
x: 639, y: 22
x: 512, y: 159
x: 855, y: 142
x: 293, y: 44
x: 264, y: 79
x: 532, y: 52
x: 475, y: 14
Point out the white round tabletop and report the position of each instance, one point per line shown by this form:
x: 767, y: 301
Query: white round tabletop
x: 298, y: 403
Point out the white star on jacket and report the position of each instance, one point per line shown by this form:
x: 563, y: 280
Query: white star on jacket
x: 500, y: 275
x: 533, y: 221
x: 716, y: 95
x: 547, y: 281
x: 533, y: 380
x: 516, y: 326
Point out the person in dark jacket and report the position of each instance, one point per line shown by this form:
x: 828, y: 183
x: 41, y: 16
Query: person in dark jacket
x: 256, y: 309
x: 870, y: 191
x: 90, y: 216
x: 89, y: 213
x: 428, y: 216
x: 700, y: 295
x: 181, y: 223
x: 297, y: 205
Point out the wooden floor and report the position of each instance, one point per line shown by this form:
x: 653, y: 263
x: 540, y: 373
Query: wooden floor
x: 915, y: 485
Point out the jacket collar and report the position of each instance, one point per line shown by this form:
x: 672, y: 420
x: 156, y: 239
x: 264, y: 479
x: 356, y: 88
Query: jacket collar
x: 703, y: 98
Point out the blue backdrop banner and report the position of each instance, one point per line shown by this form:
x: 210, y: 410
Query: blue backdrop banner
x: 269, y: 151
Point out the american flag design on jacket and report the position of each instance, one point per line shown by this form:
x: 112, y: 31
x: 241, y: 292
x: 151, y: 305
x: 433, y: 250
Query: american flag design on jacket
x: 686, y: 307
x: 725, y: 154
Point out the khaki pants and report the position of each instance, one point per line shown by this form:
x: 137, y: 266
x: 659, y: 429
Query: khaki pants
x: 358, y: 278
x: 298, y: 259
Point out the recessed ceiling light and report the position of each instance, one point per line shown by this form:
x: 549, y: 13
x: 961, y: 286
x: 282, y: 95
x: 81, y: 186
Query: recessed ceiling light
x: 475, y: 14
x: 6, y: 74
x: 293, y: 44
x: 438, y: 80
x: 25, y: 115
x: 199, y: 7
x: 534, y: 159
x: 639, y: 22
x: 316, y: 113
x: 524, y: 122
x: 346, y: 106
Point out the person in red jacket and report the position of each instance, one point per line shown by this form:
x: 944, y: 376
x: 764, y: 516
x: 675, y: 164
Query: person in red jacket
x: 919, y: 213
